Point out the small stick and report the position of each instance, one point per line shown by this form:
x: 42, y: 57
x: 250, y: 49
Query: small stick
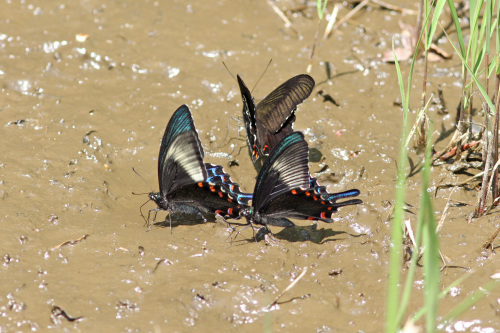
x: 489, y: 243
x: 351, y: 13
x: 290, y: 286
x: 445, y: 211
x: 70, y: 242
x: 393, y: 7
x: 282, y: 15
x: 332, y: 20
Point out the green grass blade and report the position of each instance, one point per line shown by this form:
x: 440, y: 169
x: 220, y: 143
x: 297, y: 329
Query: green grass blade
x: 474, y: 77
x: 397, y: 236
x: 435, y: 19
x: 431, y: 259
x: 442, y: 294
x: 469, y: 302
x: 458, y: 28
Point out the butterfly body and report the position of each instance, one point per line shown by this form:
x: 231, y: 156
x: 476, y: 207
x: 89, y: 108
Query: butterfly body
x: 284, y: 189
x: 187, y: 184
x: 272, y: 119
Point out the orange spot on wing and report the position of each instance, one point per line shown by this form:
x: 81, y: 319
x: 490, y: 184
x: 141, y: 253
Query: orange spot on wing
x: 294, y: 191
x: 200, y: 184
x: 221, y: 194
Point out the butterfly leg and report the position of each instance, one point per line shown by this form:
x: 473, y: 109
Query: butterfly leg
x: 170, y: 220
x: 149, y: 225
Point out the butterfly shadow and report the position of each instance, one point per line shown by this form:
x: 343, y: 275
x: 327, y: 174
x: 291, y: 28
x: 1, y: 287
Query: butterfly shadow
x: 311, y: 233
x: 295, y: 234
x: 178, y: 219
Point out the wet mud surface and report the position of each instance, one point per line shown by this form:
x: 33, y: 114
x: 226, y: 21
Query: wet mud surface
x: 78, y: 113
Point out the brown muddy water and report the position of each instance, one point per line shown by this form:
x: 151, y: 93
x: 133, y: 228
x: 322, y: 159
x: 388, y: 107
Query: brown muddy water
x: 78, y: 113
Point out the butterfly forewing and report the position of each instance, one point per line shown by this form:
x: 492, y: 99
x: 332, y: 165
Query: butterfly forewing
x: 277, y: 109
x: 183, y: 163
x: 285, y: 168
x: 180, y: 135
x: 249, y: 117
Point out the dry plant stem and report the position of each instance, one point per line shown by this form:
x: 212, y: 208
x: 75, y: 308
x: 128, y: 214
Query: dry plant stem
x: 351, y: 13
x: 393, y: 7
x: 70, y: 242
x: 283, y: 17
x: 309, y: 67
x: 484, y: 184
x: 290, y: 286
x: 494, y: 187
x: 331, y: 22
x: 489, y: 242
x: 445, y: 211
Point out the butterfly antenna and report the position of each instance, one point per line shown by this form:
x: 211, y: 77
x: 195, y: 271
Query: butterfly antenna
x: 137, y: 173
x: 264, y: 72
x: 227, y: 133
x: 229, y: 71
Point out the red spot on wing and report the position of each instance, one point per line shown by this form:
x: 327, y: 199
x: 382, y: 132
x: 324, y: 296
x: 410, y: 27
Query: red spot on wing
x: 221, y: 194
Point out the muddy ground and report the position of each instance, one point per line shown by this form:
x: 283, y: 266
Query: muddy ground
x: 77, y: 113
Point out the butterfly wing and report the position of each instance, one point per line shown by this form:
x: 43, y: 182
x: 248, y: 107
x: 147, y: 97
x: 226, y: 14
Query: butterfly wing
x: 216, y: 175
x: 285, y: 168
x: 308, y: 204
x: 284, y: 188
x: 275, y: 114
x: 249, y: 118
x: 206, y: 197
x: 180, y: 161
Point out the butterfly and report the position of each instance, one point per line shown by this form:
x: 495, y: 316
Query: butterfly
x: 187, y: 184
x: 284, y: 189
x: 272, y: 119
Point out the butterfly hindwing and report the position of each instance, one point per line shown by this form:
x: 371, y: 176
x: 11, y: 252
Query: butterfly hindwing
x: 217, y: 175
x: 285, y: 189
x: 308, y: 204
